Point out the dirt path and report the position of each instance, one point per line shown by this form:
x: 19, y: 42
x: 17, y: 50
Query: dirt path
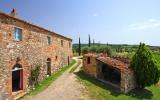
x: 66, y: 87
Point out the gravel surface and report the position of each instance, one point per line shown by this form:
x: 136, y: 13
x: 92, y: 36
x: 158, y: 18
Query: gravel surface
x: 66, y: 87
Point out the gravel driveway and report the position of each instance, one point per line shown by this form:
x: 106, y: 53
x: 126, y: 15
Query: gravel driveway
x: 66, y: 87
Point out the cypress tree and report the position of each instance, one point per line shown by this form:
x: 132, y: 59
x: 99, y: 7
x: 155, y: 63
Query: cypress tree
x: 89, y: 44
x: 93, y: 42
x: 145, y: 67
x: 79, y: 48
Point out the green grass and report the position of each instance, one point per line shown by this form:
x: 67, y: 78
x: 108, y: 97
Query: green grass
x: 99, y: 91
x: 75, y: 67
x: 157, y: 56
x: 45, y: 83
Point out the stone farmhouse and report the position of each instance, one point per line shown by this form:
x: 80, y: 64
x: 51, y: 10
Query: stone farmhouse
x: 22, y: 47
x: 112, y: 71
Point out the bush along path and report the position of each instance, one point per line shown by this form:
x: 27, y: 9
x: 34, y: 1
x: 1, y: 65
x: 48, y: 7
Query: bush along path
x: 65, y: 87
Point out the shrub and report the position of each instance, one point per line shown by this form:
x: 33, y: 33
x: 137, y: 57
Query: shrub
x: 92, y: 49
x: 85, y: 50
x: 34, y: 75
x: 105, y: 49
x: 145, y: 67
x: 98, y: 49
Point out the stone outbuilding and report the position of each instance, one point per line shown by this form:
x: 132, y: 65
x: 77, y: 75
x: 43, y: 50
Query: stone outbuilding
x: 23, y: 46
x: 110, y: 71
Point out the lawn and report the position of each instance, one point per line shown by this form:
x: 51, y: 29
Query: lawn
x: 45, y: 83
x: 99, y: 91
x: 157, y: 56
x: 75, y: 67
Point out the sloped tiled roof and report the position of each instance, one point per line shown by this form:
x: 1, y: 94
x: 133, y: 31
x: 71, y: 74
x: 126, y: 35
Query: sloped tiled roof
x: 115, y: 63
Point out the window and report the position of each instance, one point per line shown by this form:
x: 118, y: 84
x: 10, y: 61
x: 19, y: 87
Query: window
x: 69, y: 44
x: 49, y: 40
x: 0, y: 22
x: 56, y: 58
x: 88, y: 60
x: 62, y: 43
x: 18, y: 34
x: 7, y: 21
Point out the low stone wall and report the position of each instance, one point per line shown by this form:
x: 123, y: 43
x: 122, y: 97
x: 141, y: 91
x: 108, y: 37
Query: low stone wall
x: 128, y: 81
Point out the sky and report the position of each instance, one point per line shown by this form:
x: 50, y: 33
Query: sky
x: 107, y: 21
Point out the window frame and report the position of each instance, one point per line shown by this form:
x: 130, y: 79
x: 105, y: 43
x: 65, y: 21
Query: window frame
x: 18, y: 36
x: 62, y: 43
x: 49, y: 40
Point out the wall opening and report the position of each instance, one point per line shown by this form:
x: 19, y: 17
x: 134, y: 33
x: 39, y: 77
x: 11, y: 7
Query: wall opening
x: 68, y: 60
x: 49, y: 66
x: 17, y: 78
x: 109, y: 74
x: 88, y: 60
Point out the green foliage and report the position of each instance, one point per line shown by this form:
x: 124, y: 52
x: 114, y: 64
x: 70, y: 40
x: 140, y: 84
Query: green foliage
x: 75, y: 67
x: 85, y: 50
x: 105, y: 49
x: 92, y: 49
x: 100, y: 91
x: 127, y: 55
x: 7, y: 21
x: 145, y: 67
x: 79, y: 48
x: 89, y: 41
x: 93, y: 42
x: 98, y: 49
x: 34, y: 75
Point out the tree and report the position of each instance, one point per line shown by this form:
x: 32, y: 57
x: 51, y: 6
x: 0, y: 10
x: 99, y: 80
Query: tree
x: 93, y: 42
x: 92, y: 49
x: 79, y: 47
x: 85, y: 49
x: 145, y: 67
x: 89, y: 41
x: 105, y: 49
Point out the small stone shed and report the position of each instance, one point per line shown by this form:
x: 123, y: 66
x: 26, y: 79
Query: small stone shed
x: 110, y: 71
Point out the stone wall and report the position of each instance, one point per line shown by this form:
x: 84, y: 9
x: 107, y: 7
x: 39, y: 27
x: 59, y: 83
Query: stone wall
x: 90, y: 68
x: 128, y: 81
x: 32, y: 50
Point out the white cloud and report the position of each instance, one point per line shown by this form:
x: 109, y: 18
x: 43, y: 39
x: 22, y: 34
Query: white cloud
x: 149, y: 24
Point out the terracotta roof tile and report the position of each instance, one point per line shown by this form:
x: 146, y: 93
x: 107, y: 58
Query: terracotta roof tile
x: 115, y: 63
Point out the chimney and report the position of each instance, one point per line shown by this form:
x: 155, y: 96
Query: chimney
x: 13, y: 13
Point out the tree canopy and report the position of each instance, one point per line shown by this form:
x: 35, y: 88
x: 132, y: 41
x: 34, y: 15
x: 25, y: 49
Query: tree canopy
x: 145, y: 67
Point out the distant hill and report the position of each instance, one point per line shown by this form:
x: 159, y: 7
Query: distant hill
x: 117, y: 47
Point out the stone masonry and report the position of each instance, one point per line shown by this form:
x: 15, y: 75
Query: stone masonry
x: 127, y: 79
x: 32, y: 50
x: 90, y: 68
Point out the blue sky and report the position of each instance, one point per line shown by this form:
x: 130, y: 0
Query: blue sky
x: 107, y: 21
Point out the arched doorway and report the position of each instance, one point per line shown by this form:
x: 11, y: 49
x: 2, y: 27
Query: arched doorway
x: 48, y: 66
x: 17, y: 78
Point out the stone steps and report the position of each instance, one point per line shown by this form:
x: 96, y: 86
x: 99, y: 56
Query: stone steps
x: 18, y: 94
